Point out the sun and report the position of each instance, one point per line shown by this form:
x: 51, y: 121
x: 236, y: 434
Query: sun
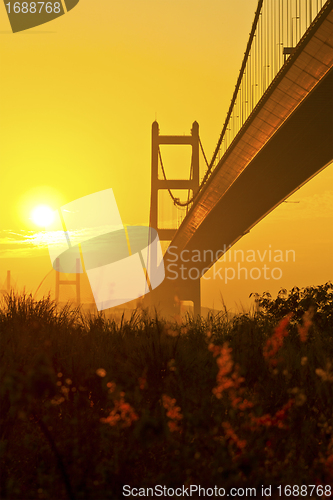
x: 42, y: 215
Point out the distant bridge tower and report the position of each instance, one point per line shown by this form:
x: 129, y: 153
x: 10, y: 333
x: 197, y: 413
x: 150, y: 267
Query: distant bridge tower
x: 188, y: 291
x: 75, y: 282
x: 7, y: 284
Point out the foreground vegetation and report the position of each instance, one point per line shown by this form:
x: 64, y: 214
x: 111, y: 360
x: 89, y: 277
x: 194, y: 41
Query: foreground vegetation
x: 89, y: 405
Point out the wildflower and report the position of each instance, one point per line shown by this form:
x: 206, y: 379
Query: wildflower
x: 275, y: 342
x: 122, y: 413
x: 168, y: 326
x: 245, y: 404
x: 300, y: 399
x: 177, y: 319
x: 111, y: 386
x: 228, y: 378
x: 65, y: 391
x: 173, y: 426
x: 325, y: 376
x: 172, y: 365
x: 142, y: 383
x: 215, y: 349
x: 57, y: 400
x: 91, y: 401
x: 172, y: 332
x: 329, y: 465
x: 304, y: 360
x: 225, y: 364
x: 275, y: 420
x: 101, y: 372
x: 230, y: 434
x: 173, y: 413
x: 329, y: 460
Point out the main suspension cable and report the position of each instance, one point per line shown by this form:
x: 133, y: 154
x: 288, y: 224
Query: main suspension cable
x: 239, y: 80
x: 210, y: 165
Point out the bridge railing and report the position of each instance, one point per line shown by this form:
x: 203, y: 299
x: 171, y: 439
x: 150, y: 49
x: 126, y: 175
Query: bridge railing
x: 277, y: 28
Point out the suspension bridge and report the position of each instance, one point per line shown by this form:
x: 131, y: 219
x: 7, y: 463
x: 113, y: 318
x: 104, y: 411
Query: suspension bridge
x: 278, y: 134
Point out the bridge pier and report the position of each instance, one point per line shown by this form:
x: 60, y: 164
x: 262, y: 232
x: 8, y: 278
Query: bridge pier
x: 166, y: 299
x: 168, y: 296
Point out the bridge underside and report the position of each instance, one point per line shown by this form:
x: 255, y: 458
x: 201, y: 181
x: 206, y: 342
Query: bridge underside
x: 311, y: 60
x: 300, y: 149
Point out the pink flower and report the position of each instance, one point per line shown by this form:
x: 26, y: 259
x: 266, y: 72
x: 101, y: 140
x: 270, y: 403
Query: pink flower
x: 275, y: 342
x: 173, y: 413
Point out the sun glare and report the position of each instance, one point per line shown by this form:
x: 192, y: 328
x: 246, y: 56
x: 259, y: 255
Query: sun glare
x: 42, y: 215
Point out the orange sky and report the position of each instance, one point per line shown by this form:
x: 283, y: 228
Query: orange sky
x: 78, y: 97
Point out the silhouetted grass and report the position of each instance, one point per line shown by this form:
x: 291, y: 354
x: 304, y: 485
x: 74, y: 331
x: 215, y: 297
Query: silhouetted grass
x: 89, y: 405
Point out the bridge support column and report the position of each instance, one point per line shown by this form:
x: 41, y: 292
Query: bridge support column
x: 167, y: 298
x: 197, y: 297
x: 170, y: 289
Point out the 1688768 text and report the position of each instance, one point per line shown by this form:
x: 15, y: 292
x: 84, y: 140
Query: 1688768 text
x: 33, y: 7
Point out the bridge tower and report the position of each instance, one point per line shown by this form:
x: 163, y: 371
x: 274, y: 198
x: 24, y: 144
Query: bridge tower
x: 184, y: 291
x: 75, y: 282
x: 7, y: 289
